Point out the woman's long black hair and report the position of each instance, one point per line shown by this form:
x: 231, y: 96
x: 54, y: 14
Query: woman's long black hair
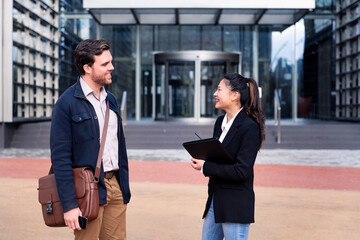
x: 249, y: 99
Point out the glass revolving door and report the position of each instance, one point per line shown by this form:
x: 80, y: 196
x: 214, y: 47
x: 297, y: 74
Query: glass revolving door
x: 184, y: 83
x: 181, y: 84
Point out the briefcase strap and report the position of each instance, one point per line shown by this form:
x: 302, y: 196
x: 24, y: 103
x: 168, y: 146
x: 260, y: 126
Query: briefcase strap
x: 102, y: 145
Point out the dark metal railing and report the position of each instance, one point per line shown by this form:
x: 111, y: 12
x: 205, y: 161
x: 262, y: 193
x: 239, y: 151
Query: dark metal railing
x: 123, y: 108
x: 277, y: 115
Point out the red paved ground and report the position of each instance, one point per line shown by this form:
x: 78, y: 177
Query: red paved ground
x: 290, y: 176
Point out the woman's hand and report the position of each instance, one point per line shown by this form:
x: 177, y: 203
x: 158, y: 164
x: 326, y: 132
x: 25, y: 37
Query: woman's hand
x: 197, y: 163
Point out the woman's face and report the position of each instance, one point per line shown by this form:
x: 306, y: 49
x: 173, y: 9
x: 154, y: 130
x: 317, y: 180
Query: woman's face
x: 224, y: 97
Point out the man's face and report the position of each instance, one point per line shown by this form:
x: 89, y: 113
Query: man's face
x: 102, y: 68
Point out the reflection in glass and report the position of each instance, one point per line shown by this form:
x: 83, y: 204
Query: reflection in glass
x: 211, y: 38
x: 211, y: 74
x: 160, y: 88
x: 181, y: 88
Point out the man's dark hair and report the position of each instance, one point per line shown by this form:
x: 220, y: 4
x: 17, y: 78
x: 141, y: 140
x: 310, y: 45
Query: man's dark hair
x: 86, y: 50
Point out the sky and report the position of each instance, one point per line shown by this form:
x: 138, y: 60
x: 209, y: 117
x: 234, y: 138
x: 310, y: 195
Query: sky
x: 283, y: 43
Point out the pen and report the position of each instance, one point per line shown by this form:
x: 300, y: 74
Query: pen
x: 197, y: 135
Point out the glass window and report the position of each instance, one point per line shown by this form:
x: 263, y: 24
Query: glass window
x: 211, y: 73
x: 15, y: 13
x: 190, y: 37
x: 231, y: 38
x: 15, y: 53
x: 167, y: 38
x: 15, y: 74
x: 211, y: 38
x: 43, y: 9
x: 246, y: 49
x: 265, y: 80
x: 147, y: 42
x: 34, y: 42
x: 122, y: 40
x: 22, y: 18
x: 23, y: 37
x: 44, y: 46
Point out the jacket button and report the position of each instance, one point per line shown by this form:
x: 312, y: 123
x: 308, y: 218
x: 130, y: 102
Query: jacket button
x: 95, y: 117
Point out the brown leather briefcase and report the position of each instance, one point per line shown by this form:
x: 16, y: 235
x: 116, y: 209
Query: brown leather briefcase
x: 86, y: 189
x: 86, y: 194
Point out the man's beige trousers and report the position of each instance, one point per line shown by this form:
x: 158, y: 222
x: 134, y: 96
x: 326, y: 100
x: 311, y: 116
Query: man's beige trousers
x: 111, y: 221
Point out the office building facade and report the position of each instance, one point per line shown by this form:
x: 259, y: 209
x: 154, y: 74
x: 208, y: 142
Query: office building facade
x: 30, y: 59
x: 348, y: 60
x: 288, y: 48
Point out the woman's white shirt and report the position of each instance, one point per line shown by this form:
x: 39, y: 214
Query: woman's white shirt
x: 225, y: 126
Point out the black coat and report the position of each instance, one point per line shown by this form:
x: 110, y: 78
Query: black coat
x: 232, y: 185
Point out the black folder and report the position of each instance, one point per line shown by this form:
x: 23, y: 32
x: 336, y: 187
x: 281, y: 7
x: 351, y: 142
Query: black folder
x: 209, y: 149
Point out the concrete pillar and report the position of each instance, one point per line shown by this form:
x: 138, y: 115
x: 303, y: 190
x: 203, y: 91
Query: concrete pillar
x: 6, y: 76
x: 1, y: 63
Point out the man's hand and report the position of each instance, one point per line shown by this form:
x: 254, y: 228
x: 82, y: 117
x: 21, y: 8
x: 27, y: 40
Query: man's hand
x: 197, y: 163
x: 71, y: 218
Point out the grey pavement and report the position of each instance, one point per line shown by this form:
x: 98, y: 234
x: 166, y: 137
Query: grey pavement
x: 323, y: 157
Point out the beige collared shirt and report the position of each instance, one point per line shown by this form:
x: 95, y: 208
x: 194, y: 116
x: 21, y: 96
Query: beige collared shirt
x: 110, y: 155
x: 225, y: 126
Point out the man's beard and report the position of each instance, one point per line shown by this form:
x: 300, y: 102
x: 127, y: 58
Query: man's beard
x: 102, y: 80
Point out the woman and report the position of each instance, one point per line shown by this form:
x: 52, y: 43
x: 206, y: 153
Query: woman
x: 231, y: 200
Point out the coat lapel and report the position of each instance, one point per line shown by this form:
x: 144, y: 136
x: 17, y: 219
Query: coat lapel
x: 234, y: 128
x: 217, y: 130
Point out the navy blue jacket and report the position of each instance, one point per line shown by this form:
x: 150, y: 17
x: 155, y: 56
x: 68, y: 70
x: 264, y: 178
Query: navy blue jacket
x: 231, y: 186
x: 75, y: 142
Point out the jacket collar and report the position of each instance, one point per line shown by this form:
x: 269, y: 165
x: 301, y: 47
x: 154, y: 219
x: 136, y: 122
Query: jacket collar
x: 80, y: 93
x: 78, y: 90
x: 234, y: 127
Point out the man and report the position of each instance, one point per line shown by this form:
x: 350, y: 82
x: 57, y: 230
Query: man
x: 76, y: 129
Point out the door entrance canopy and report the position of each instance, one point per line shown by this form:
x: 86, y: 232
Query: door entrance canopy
x: 189, y: 12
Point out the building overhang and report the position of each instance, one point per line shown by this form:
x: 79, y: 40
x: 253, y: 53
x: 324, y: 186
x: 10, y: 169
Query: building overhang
x: 199, y: 12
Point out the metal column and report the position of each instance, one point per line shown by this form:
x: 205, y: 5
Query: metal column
x: 137, y: 76
x: 197, y: 89
x: 294, y: 82
x: 255, y: 74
